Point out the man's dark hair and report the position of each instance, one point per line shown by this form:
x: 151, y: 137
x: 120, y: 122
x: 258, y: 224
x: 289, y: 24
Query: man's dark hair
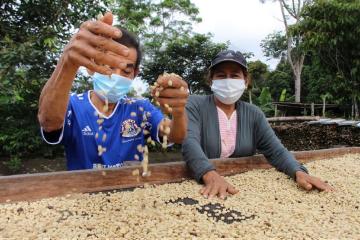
x: 130, y: 40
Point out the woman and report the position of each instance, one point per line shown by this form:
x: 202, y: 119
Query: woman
x: 221, y: 125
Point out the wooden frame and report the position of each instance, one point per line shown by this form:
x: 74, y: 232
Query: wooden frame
x: 43, y: 185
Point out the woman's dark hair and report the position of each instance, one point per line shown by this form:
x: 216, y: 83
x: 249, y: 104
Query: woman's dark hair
x: 130, y: 40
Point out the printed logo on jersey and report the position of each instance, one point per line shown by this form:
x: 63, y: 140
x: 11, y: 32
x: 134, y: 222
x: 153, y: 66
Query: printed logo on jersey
x: 68, y: 116
x: 129, y: 128
x: 86, y: 131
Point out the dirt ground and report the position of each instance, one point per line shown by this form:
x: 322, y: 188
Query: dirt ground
x: 38, y: 165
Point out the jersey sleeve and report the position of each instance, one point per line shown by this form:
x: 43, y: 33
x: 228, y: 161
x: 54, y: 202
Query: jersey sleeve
x: 62, y: 135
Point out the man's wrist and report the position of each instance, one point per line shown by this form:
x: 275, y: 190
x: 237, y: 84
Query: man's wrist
x: 178, y: 115
x: 67, y: 64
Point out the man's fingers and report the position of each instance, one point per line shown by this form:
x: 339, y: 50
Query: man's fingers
x: 101, y: 28
x: 173, y: 93
x: 100, y: 57
x: 175, y: 81
x: 104, y: 43
x: 232, y: 190
x: 108, y: 18
x: 83, y: 61
x: 172, y: 102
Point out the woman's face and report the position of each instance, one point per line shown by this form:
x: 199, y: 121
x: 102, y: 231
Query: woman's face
x: 226, y: 70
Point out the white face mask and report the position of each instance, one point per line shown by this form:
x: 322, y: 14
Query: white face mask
x: 228, y: 91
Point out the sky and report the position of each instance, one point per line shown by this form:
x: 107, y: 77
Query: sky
x: 242, y: 22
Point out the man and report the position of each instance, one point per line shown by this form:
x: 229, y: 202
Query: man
x: 102, y: 127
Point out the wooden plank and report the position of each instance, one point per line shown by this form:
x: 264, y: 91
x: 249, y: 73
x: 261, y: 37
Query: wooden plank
x: 293, y: 119
x: 43, y: 185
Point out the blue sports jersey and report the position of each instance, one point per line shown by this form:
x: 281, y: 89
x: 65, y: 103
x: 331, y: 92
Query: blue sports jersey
x: 82, y: 133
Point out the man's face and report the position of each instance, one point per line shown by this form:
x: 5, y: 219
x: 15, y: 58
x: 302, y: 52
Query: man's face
x: 130, y: 71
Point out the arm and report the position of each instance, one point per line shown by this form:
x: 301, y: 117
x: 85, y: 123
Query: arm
x: 198, y: 162
x: 177, y: 125
x: 269, y: 145
x: 278, y: 156
x: 172, y: 98
x: 85, y: 48
x: 193, y: 154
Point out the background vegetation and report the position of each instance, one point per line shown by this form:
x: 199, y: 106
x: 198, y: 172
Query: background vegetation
x: 34, y: 32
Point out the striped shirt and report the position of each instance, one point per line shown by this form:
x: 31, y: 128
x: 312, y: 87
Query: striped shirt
x: 227, y: 133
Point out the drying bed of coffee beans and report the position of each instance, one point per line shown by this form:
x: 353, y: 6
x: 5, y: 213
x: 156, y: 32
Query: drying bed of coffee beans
x: 269, y: 205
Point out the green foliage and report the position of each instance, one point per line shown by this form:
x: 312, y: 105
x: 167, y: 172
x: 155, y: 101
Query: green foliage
x: 187, y: 56
x: 165, y: 29
x: 157, y: 22
x: 13, y: 164
x: 274, y: 45
x: 32, y: 34
x: 331, y: 33
x: 264, y: 101
x: 257, y: 72
x: 282, y: 96
x: 280, y: 79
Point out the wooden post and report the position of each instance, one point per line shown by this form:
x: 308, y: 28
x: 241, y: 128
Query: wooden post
x: 275, y: 114
x: 324, y: 105
x: 312, y: 109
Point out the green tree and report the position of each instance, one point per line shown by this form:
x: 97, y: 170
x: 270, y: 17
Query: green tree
x: 274, y: 45
x: 331, y: 31
x: 291, y: 11
x: 258, y: 72
x: 280, y: 79
x: 157, y: 22
x: 188, y: 56
x: 32, y: 34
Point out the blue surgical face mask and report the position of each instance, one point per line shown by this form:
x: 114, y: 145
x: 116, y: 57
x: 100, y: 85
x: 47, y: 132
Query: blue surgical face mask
x: 112, y: 88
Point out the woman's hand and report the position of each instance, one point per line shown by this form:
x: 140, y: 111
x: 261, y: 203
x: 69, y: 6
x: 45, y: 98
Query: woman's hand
x: 308, y: 182
x: 216, y: 185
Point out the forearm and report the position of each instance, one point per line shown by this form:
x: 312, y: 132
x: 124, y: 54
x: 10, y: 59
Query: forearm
x: 178, y: 127
x: 286, y: 163
x: 196, y: 159
x: 54, y: 97
x: 274, y: 151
